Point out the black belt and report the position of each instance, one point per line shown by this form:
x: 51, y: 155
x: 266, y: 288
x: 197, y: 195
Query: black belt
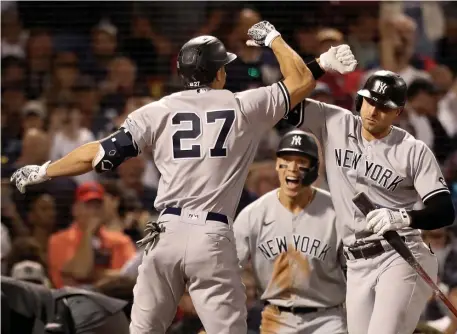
x: 374, y: 249
x: 210, y: 216
x: 295, y: 309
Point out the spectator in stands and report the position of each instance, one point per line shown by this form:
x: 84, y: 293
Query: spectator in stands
x: 447, y: 46
x: 39, y: 60
x: 422, y: 109
x: 35, y: 148
x: 64, y: 73
x: 86, y: 251
x: 254, y: 67
x: 41, y: 218
x: 131, y: 177
x: 362, y: 31
x: 322, y: 93
x: 33, y: 116
x: 87, y: 100
x: 13, y: 70
x: 447, y: 111
x: 25, y: 249
x: 103, y: 50
x: 13, y: 100
x: 71, y: 135
x: 397, y: 45
x: 30, y: 271
x: 262, y: 178
x: 305, y: 36
x: 14, y: 38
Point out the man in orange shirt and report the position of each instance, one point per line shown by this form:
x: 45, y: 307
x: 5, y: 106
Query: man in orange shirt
x: 86, y: 251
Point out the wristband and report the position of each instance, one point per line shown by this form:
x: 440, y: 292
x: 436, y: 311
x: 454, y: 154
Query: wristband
x: 316, y: 69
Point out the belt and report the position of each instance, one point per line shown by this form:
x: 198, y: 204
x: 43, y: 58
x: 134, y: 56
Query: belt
x: 295, y: 309
x: 364, y: 252
x: 210, y: 216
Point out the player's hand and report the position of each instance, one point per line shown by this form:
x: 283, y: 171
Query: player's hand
x: 262, y: 34
x: 338, y: 59
x: 382, y: 220
x: 28, y: 175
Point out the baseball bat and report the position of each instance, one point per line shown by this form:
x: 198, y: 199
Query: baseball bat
x: 364, y: 204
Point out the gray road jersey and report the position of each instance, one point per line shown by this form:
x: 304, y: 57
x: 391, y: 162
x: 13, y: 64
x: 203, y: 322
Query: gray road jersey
x: 203, y: 142
x: 397, y: 171
x: 296, y: 259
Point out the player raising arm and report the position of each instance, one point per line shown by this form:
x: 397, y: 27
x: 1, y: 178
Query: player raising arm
x: 401, y: 175
x: 203, y: 140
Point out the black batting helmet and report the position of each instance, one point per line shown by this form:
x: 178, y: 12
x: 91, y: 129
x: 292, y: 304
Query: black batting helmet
x: 299, y: 142
x: 200, y: 59
x: 385, y: 88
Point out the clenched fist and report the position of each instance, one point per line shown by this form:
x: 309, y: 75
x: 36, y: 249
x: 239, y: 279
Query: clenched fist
x: 28, y: 175
x: 338, y: 59
x: 262, y: 34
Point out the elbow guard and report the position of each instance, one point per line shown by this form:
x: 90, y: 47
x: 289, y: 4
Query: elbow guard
x: 114, y: 150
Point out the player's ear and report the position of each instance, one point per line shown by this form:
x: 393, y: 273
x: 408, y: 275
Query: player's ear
x: 399, y: 111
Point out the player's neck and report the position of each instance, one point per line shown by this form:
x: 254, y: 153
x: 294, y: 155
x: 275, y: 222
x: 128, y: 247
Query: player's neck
x: 298, y: 203
x: 372, y: 136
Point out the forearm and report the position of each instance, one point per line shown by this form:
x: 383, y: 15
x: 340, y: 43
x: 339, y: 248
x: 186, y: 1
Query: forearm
x: 77, y: 162
x: 297, y: 77
x: 387, y: 56
x: 438, y: 212
x: 82, y: 264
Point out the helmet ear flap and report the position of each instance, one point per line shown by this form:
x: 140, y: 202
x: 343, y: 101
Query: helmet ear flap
x: 358, y: 103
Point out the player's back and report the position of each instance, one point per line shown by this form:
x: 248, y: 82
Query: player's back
x: 203, y: 141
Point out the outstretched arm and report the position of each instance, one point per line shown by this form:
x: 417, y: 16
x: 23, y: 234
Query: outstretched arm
x: 104, y: 155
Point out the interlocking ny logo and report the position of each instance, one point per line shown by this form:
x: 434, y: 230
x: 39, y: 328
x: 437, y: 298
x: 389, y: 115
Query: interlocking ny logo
x: 380, y: 87
x: 296, y: 140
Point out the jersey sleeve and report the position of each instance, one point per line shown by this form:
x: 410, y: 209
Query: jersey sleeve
x: 314, y: 116
x: 140, y: 125
x: 241, y: 229
x: 428, y: 178
x: 265, y: 105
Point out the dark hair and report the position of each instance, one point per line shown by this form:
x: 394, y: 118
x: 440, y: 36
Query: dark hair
x: 421, y: 85
x: 9, y: 61
x: 25, y: 249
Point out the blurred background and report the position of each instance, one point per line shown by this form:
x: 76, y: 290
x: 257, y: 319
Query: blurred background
x: 71, y: 72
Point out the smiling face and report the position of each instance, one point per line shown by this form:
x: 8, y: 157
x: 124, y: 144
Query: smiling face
x: 290, y: 168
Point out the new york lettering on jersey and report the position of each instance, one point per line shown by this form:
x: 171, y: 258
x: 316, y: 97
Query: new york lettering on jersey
x: 308, y: 246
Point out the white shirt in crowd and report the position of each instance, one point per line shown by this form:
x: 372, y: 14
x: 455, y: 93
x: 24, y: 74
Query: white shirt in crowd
x: 62, y: 145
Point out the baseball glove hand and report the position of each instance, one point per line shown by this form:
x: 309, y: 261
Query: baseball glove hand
x: 262, y: 34
x: 28, y: 175
x: 339, y: 59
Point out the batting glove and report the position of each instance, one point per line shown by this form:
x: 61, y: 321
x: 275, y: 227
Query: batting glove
x: 28, y: 175
x: 339, y: 59
x: 262, y: 34
x: 382, y: 220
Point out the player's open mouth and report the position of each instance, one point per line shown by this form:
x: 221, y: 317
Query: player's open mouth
x: 292, y: 182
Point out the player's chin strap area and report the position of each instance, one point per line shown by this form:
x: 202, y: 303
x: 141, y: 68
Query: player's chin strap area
x: 152, y: 231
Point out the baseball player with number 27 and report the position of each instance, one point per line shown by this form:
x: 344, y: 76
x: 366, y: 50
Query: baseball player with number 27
x: 203, y: 140
x: 401, y: 176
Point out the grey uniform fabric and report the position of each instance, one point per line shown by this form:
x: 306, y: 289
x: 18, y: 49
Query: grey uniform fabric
x: 297, y: 262
x: 203, y: 142
x: 395, y: 172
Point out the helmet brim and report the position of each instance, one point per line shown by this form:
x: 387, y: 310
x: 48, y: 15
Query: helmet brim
x: 230, y: 57
x: 294, y: 151
x: 378, y: 99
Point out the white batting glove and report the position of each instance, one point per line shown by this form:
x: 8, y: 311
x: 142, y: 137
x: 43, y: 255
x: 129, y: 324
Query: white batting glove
x: 338, y: 59
x: 382, y: 220
x: 262, y: 34
x: 30, y: 174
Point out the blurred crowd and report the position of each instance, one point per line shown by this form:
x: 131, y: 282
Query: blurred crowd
x: 72, y: 72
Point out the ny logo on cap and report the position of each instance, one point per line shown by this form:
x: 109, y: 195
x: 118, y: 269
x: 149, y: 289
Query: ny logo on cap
x: 296, y: 140
x: 380, y: 87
